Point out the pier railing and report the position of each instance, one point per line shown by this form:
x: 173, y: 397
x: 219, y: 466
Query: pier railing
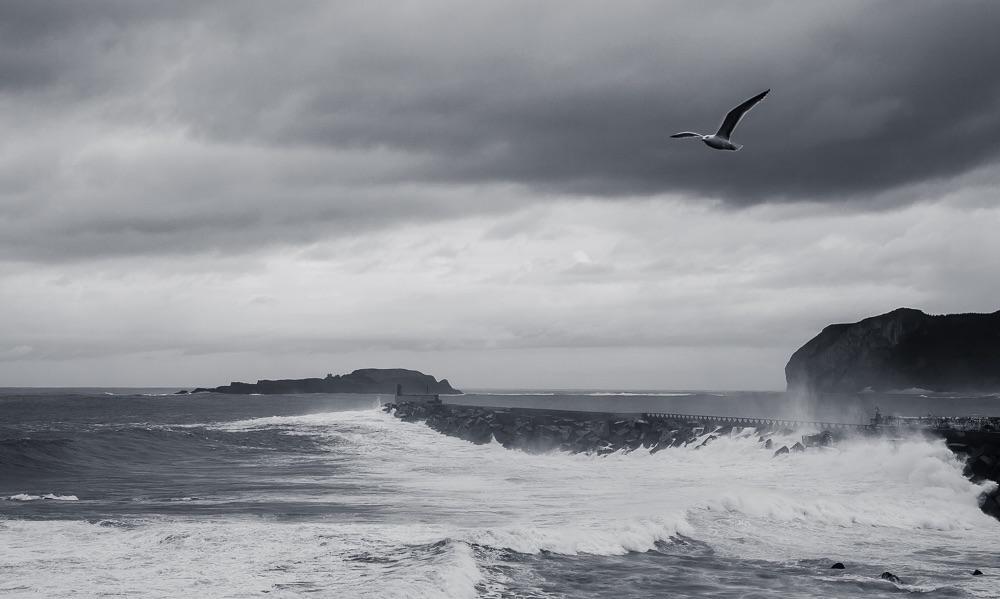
x: 757, y: 422
x: 884, y: 423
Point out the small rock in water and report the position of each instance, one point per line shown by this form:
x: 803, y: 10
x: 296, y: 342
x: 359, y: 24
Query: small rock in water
x: 798, y: 447
x: 890, y: 577
x: 837, y: 566
x: 768, y: 444
x: 977, y: 572
x: 782, y: 451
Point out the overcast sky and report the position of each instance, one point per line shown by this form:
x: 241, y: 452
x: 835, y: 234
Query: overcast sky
x: 199, y: 192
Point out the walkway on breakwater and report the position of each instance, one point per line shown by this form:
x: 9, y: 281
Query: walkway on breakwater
x: 768, y: 423
x: 947, y: 427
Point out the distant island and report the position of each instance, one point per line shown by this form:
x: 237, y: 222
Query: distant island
x: 365, y: 380
x: 902, y: 349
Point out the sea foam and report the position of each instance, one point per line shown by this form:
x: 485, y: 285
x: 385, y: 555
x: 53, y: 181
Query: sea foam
x: 52, y: 496
x: 448, y: 514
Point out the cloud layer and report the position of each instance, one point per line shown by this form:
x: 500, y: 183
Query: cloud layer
x: 305, y: 179
x: 640, y: 294
x: 182, y: 122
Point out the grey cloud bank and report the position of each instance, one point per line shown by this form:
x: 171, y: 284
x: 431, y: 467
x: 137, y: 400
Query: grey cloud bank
x: 436, y: 178
x: 685, y: 299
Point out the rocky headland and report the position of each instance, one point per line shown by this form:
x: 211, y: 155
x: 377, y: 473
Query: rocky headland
x: 902, y: 349
x: 365, y: 380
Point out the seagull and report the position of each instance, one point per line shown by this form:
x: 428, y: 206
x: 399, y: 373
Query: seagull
x: 720, y: 141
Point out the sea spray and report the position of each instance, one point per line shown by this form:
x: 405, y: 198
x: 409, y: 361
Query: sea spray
x: 363, y: 504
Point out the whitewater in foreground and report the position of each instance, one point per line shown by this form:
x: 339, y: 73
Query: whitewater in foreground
x: 294, y: 496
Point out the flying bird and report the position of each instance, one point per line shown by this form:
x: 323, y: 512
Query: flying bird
x: 720, y: 141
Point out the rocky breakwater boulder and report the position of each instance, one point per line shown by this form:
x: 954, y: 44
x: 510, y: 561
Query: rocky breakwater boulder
x: 902, y: 349
x: 535, y: 431
x: 981, y: 451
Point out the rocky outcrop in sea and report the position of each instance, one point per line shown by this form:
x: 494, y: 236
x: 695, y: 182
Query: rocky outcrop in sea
x: 902, y: 349
x: 365, y: 380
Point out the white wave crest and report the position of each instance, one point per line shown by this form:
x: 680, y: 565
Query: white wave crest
x: 51, y: 496
x: 444, y: 504
x: 635, y: 394
x: 617, y: 538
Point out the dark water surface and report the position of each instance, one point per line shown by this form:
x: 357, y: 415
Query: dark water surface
x: 147, y: 495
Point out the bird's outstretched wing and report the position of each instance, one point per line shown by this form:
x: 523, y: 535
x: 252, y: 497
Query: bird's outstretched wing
x: 686, y: 134
x: 733, y: 118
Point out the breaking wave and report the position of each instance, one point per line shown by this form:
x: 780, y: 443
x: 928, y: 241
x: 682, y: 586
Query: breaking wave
x: 434, y: 516
x: 52, y: 496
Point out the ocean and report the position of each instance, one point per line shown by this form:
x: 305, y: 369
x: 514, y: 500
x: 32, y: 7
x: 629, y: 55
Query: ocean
x: 139, y: 493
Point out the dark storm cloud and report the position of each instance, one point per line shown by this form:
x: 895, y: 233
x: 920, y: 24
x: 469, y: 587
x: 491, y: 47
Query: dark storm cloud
x: 581, y: 98
x: 81, y: 47
x: 190, y: 126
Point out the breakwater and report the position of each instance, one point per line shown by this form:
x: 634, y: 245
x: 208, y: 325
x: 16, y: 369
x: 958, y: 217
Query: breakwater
x: 536, y: 430
x: 540, y: 430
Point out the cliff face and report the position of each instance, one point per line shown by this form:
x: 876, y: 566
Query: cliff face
x: 366, y: 380
x: 902, y: 349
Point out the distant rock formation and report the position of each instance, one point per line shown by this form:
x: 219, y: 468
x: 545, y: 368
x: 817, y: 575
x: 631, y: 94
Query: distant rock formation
x: 366, y: 380
x: 901, y: 350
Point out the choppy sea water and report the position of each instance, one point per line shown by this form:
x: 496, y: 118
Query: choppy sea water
x: 326, y: 496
